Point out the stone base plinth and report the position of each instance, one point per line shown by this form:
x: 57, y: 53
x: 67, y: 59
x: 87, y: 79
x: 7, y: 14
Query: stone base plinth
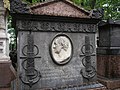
x: 85, y: 86
x: 101, y: 88
x: 5, y: 89
x: 7, y: 74
x: 111, y: 84
x: 108, y: 66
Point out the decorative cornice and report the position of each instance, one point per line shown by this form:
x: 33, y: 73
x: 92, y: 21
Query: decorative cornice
x: 45, y: 26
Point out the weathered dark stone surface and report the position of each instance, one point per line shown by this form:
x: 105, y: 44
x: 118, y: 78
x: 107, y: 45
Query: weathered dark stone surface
x: 5, y: 88
x: 66, y: 9
x: 108, y: 58
x: 45, y: 26
x: 111, y: 84
x: 109, y: 34
x: 97, y: 13
x: 108, y: 66
x: 109, y: 49
x: 54, y: 75
x: 17, y: 6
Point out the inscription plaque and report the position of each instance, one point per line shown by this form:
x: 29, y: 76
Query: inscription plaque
x: 61, y: 49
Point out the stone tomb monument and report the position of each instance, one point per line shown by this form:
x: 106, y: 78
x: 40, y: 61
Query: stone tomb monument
x: 109, y: 53
x: 56, y: 46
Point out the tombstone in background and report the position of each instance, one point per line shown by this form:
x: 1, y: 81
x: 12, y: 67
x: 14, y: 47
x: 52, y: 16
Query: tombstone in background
x: 109, y: 53
x: 56, y: 46
x: 7, y: 72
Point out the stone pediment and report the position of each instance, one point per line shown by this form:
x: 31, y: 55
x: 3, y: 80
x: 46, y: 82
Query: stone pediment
x: 59, y: 8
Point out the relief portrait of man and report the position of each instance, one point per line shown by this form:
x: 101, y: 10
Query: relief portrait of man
x: 61, y: 49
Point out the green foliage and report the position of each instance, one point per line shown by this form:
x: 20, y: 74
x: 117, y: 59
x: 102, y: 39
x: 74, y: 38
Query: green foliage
x: 110, y: 7
x: 33, y: 1
x: 78, y: 2
x: 11, y: 32
x: 87, y: 4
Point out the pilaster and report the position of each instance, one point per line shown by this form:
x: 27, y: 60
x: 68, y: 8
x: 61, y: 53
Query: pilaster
x: 4, y: 45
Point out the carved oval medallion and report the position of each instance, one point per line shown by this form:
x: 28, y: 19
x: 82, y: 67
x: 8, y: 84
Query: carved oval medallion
x: 61, y: 49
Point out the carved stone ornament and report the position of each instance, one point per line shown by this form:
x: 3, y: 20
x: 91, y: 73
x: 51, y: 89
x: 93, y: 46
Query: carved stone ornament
x: 55, y: 26
x: 17, y: 6
x: 61, y: 49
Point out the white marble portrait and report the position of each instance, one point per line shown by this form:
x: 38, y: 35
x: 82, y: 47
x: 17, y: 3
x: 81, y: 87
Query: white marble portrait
x: 61, y: 49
